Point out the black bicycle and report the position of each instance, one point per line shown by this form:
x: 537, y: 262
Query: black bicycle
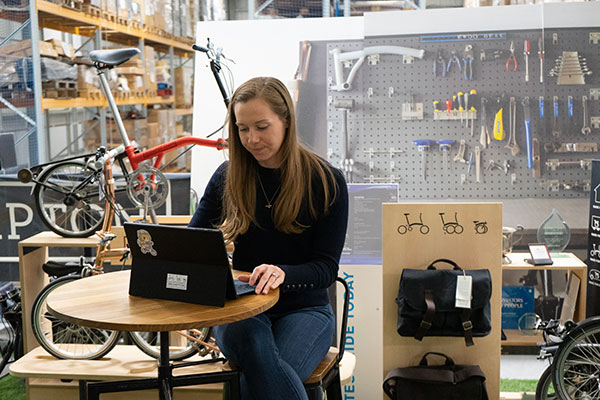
x: 574, y: 349
x: 11, y: 333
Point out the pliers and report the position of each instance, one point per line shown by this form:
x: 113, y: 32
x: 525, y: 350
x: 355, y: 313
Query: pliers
x: 453, y: 57
x: 442, y: 63
x: 468, y: 60
x: 511, y: 57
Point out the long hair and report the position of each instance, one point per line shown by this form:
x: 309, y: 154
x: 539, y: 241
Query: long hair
x: 298, y: 166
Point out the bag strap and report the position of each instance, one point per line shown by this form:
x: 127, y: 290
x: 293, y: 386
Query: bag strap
x: 427, y: 320
x: 389, y: 383
x: 423, y: 363
x: 467, y: 325
x: 445, y: 260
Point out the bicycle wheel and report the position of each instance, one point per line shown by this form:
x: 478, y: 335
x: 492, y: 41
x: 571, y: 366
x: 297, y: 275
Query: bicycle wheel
x: 8, y: 341
x: 545, y: 388
x: 67, y: 340
x: 68, y: 199
x: 180, y: 347
x: 576, y: 366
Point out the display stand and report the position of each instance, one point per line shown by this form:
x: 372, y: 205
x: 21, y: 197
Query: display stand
x: 479, y: 245
x: 566, y: 262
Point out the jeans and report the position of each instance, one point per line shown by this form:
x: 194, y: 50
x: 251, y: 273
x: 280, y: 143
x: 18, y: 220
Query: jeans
x: 276, y: 353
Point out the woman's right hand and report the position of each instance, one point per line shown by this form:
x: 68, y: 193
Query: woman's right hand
x: 265, y: 277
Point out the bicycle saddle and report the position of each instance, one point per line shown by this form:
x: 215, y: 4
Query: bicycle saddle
x: 112, y: 58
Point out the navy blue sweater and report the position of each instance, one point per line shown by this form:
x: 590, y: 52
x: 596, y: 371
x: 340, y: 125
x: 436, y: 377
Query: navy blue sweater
x: 310, y: 259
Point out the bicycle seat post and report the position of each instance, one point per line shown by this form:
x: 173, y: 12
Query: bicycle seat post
x: 112, y: 105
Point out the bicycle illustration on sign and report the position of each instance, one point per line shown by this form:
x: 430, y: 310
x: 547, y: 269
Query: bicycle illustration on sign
x: 596, y: 223
x: 595, y: 252
x: 452, y: 227
x: 481, y: 227
x: 424, y: 229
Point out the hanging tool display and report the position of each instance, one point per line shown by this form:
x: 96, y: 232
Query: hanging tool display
x: 585, y: 130
x: 439, y: 64
x: 423, y: 145
x: 527, y: 120
x: 511, y: 57
x: 526, y: 51
x: 490, y: 55
x: 541, y: 57
x: 498, y: 130
x: 468, y: 62
x: 484, y: 138
x: 555, y: 122
x: 346, y: 162
x: 512, y: 135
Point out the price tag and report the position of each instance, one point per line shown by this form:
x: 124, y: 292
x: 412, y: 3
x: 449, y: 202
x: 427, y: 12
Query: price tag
x: 464, y: 283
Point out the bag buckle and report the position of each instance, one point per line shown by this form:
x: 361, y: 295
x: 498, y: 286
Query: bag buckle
x: 425, y: 324
x: 467, y: 325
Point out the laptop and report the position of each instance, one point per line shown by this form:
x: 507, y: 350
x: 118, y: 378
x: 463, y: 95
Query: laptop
x: 182, y: 264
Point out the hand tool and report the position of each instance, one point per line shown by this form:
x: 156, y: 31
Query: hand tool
x: 527, y: 119
x: 586, y: 127
x: 345, y: 106
x: 440, y: 63
x: 541, y: 101
x: 453, y: 57
x: 468, y: 61
x: 470, y: 163
x: 460, y: 106
x: 460, y: 155
x: 511, y: 57
x: 498, y: 129
x: 445, y: 146
x: 570, y: 112
x: 477, y: 164
x: 555, y: 123
x: 526, y: 54
x: 541, y: 57
x: 484, y: 138
x: 472, y: 110
x: 512, y: 136
x: 449, y: 107
x: 490, y: 55
x: 423, y: 146
x: 537, y: 171
x: 435, y: 106
x: 579, y: 147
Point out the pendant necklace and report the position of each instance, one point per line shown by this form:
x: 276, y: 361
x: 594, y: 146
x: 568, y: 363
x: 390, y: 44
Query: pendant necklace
x: 269, y: 201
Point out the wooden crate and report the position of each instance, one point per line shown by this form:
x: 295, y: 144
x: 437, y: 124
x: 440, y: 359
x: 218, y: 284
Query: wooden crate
x: 59, y: 89
x: 92, y: 10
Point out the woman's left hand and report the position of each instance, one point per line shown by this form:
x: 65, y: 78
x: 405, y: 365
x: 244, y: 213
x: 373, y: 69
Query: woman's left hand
x: 265, y: 277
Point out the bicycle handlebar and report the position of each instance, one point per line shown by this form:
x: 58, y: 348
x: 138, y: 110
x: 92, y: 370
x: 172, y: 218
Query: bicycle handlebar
x: 200, y: 48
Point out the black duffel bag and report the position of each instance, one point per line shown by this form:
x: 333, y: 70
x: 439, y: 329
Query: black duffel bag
x: 426, y: 303
x: 447, y: 382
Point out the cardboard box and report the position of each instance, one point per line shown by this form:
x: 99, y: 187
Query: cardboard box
x: 183, y: 86
x: 87, y: 78
x: 23, y: 49
x: 150, y: 67
x: 110, y: 6
x: 62, y: 48
x: 135, y: 82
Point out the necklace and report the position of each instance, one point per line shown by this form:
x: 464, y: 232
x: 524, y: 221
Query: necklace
x: 269, y: 201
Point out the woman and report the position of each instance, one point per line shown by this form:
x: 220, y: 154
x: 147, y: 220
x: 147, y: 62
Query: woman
x: 286, y: 211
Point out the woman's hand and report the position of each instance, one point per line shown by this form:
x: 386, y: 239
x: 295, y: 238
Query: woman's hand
x: 265, y: 277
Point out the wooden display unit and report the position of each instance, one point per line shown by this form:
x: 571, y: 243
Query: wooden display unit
x: 474, y: 247
x: 562, y: 262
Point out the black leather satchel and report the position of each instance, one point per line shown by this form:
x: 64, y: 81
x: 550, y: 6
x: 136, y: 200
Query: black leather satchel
x: 425, y: 382
x: 426, y: 303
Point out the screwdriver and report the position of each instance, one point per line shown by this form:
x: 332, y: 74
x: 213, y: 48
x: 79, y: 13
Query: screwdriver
x: 526, y: 54
x: 460, y: 106
x: 423, y: 146
x: 445, y: 146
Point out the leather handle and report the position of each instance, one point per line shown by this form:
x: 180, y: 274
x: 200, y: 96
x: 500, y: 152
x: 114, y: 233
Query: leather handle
x: 445, y: 260
x: 448, y: 362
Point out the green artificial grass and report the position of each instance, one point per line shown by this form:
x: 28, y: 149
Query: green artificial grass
x: 518, y: 385
x: 12, y: 388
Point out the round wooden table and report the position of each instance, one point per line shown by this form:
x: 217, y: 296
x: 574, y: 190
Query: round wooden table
x: 103, y: 301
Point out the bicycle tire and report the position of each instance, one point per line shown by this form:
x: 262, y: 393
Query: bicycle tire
x: 149, y: 343
x: 66, y: 340
x: 7, y: 347
x: 576, y: 364
x: 64, y: 208
x: 545, y: 388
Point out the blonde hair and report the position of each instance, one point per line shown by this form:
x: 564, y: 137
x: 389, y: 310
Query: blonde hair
x: 298, y: 167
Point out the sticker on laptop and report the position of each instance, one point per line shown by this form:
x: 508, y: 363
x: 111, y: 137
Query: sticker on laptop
x: 176, y: 281
x: 144, y: 240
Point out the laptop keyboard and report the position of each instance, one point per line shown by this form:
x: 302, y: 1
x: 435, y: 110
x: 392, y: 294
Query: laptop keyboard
x: 242, y: 287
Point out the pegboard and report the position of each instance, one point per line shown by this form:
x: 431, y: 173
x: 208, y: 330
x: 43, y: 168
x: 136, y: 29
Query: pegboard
x: 380, y: 141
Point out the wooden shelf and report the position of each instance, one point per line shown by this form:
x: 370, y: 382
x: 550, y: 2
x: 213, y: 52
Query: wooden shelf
x: 48, y: 104
x: 56, y: 17
x: 184, y: 111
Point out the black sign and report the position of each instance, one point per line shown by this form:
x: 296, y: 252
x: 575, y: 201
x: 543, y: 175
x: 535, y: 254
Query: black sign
x: 593, y: 287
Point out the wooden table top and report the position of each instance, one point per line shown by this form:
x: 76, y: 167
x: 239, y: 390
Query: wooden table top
x: 103, y: 301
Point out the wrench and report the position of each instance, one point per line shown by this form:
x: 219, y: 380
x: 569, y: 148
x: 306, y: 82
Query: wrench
x: 586, y: 127
x: 512, y: 137
x: 555, y: 124
x: 527, y: 119
x: 460, y: 156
